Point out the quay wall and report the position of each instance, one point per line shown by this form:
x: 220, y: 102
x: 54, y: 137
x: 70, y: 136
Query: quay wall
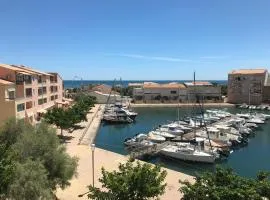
x: 161, y: 105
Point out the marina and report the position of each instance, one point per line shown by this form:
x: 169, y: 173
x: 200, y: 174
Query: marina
x: 111, y: 137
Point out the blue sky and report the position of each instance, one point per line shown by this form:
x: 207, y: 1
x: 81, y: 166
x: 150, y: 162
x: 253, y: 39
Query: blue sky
x: 142, y: 39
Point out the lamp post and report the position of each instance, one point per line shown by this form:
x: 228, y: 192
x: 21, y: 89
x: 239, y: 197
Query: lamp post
x: 93, y: 160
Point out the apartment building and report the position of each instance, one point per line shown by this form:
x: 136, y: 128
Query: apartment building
x: 27, y: 93
x: 249, y: 86
x: 151, y: 92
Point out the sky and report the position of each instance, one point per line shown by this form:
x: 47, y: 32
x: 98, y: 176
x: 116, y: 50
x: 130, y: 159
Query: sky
x: 136, y: 39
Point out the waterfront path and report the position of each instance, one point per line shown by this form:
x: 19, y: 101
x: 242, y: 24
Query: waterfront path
x: 181, y: 105
x: 108, y: 160
x: 91, y: 130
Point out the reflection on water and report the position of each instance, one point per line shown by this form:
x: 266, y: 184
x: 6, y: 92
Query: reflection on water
x: 246, y: 161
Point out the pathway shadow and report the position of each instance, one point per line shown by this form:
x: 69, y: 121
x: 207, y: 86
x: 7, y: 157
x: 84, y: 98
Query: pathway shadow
x: 65, y: 138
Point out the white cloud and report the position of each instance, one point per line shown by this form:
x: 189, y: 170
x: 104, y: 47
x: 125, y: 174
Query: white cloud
x: 214, y: 57
x: 159, y: 58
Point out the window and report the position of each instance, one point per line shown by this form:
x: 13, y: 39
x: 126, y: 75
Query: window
x: 52, y: 98
x: 173, y: 92
x: 56, y: 97
x: 40, y: 101
x: 11, y: 95
x: 45, y: 100
x: 27, y: 79
x: 28, y: 92
x: 40, y: 91
x: 44, y: 89
x: 20, y: 107
x: 39, y: 79
x: 19, y: 79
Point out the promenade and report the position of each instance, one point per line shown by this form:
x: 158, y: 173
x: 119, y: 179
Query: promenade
x: 108, y: 160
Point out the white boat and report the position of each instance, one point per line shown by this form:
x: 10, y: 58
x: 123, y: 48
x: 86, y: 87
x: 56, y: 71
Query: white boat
x: 245, y: 116
x: 135, y: 140
x: 255, y: 120
x: 178, y: 126
x: 163, y: 134
x: 251, y: 125
x: 188, y: 153
x: 171, y: 128
x: 156, y: 138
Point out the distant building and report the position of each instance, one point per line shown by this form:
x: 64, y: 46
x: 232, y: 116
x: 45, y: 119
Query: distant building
x: 151, y: 92
x: 103, y: 93
x: 249, y: 86
x: 27, y: 93
x: 204, y: 90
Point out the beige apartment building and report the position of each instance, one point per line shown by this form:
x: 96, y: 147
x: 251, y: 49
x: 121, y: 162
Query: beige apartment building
x: 27, y: 93
x: 250, y: 86
x: 150, y: 92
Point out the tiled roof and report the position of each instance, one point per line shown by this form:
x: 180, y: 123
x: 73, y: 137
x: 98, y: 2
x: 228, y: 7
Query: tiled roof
x: 23, y: 69
x: 199, y: 83
x: 32, y: 70
x: 4, y: 82
x: 105, y: 89
x: 248, y: 71
x: 173, y: 85
x: 16, y: 69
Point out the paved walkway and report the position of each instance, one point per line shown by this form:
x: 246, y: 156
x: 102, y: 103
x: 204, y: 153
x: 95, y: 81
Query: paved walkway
x: 91, y: 131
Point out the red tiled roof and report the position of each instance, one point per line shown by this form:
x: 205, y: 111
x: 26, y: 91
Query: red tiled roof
x: 173, y: 85
x: 249, y: 71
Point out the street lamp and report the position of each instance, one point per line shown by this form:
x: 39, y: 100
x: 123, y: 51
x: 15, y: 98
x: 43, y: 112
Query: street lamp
x: 93, y: 160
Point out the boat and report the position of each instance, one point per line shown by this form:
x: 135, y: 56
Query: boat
x: 245, y: 116
x: 163, y: 134
x: 186, y: 152
x: 255, y: 120
x: 136, y: 139
x: 156, y: 138
x: 116, y: 119
x: 171, y: 128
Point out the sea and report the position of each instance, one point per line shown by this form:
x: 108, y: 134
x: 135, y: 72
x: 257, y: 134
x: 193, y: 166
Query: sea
x: 246, y: 161
x: 124, y: 83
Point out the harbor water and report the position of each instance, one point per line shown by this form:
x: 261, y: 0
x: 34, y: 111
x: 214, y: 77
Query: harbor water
x: 246, y: 161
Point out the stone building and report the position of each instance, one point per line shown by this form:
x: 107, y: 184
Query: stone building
x: 250, y: 86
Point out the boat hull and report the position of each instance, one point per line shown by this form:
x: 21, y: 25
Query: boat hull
x: 188, y: 157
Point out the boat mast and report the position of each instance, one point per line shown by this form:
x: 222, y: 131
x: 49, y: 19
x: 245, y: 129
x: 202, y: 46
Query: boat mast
x: 202, y: 114
x: 108, y: 99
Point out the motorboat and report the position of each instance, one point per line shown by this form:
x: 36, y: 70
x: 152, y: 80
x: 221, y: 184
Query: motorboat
x: 171, y: 128
x: 255, y: 120
x: 163, y: 134
x: 242, y: 115
x: 114, y: 118
x: 156, y: 138
x: 186, y: 152
x: 135, y: 140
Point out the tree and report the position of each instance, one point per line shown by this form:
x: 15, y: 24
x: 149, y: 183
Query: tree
x: 59, y: 117
x: 132, y: 182
x: 225, y: 184
x: 67, y: 118
x: 33, y: 163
